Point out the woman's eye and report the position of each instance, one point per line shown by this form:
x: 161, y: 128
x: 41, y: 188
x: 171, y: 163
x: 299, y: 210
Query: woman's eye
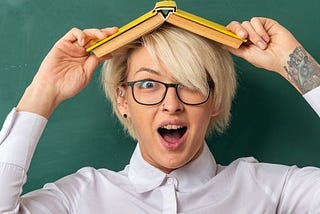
x: 146, y: 84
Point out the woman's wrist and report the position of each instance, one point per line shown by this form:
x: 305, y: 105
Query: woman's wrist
x: 301, y: 70
x: 38, y: 99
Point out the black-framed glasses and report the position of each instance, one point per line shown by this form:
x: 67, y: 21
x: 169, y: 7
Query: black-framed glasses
x: 153, y: 92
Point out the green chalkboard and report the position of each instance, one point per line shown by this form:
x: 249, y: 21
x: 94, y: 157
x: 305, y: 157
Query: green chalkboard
x: 271, y: 121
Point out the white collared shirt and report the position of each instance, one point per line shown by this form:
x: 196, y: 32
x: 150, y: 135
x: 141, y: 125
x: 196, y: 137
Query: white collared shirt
x: 202, y: 186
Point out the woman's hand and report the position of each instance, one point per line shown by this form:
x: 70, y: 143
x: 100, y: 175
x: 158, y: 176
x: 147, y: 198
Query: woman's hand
x: 269, y: 44
x: 64, y: 72
x: 273, y: 47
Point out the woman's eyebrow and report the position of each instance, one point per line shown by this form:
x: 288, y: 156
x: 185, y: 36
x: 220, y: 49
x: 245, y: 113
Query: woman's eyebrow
x: 149, y: 70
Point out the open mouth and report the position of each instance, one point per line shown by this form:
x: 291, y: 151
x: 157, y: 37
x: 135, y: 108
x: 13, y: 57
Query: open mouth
x: 172, y: 133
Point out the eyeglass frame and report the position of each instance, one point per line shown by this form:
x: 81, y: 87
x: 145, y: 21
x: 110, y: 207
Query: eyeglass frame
x: 167, y: 85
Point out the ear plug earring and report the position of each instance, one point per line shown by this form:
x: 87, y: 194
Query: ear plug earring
x: 120, y: 93
x: 125, y: 115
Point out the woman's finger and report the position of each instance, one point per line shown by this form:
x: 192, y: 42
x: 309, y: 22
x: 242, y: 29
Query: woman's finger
x: 236, y: 28
x: 254, y: 37
x: 110, y: 30
x: 75, y: 35
x: 82, y: 37
x: 94, y: 35
x: 258, y: 25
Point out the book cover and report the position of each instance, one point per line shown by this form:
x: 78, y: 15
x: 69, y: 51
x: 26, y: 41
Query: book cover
x: 165, y: 11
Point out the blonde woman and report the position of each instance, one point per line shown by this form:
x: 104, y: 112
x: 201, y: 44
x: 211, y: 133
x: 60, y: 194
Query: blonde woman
x: 169, y: 89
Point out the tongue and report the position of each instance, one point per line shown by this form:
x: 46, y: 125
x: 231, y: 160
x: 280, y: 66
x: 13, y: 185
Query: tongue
x: 171, y: 136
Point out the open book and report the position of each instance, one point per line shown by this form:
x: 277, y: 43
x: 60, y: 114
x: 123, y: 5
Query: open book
x: 165, y: 11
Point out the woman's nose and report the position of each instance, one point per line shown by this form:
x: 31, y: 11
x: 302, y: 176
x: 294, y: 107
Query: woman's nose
x: 171, y: 102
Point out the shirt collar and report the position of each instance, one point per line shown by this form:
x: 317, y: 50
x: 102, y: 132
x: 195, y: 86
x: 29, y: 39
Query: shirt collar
x: 146, y: 177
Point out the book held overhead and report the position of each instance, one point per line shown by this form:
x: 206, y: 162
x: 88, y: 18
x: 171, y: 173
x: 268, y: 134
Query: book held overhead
x: 165, y: 11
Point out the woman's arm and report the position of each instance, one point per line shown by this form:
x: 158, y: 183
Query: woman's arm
x: 65, y: 71
x: 274, y: 48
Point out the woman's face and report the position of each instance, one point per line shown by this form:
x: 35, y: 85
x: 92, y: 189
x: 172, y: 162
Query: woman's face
x: 170, y: 134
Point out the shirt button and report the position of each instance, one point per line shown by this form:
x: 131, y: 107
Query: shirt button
x: 170, y: 181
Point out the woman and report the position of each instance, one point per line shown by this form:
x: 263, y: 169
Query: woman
x: 169, y: 89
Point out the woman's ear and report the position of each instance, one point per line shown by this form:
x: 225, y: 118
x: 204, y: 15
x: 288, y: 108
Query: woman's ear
x: 122, y: 101
x: 216, y: 111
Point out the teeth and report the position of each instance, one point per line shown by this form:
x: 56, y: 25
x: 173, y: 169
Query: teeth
x: 172, y: 127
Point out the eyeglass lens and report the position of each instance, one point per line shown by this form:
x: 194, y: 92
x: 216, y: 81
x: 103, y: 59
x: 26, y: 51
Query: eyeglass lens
x: 151, y: 92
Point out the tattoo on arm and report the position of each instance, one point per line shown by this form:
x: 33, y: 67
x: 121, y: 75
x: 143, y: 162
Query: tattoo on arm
x: 303, y: 70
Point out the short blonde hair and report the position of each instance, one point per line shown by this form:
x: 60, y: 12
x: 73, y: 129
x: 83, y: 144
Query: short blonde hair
x: 192, y: 60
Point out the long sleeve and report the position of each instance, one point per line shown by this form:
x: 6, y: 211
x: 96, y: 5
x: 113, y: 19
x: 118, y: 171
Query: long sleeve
x: 313, y: 98
x: 18, y: 139
x: 301, y: 191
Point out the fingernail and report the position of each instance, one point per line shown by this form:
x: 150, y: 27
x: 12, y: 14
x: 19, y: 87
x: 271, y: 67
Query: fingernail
x: 262, y: 45
x: 114, y: 28
x: 266, y: 38
x: 242, y: 34
x: 81, y: 42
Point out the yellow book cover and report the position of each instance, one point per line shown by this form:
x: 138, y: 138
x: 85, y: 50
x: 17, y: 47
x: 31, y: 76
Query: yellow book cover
x: 162, y: 12
x: 124, y: 28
